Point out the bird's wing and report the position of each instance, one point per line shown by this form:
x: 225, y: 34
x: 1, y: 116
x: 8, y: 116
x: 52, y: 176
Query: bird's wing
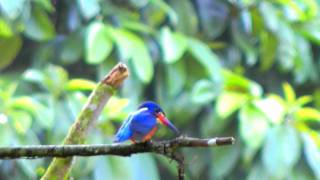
x: 142, y: 123
x: 138, y: 124
x: 124, y: 132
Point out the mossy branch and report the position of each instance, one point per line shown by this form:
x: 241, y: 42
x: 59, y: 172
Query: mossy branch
x: 59, y: 168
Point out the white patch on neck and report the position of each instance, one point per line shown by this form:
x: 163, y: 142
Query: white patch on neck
x: 143, y: 109
x: 139, y: 111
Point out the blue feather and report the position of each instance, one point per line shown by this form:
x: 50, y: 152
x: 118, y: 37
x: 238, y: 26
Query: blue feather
x: 138, y: 124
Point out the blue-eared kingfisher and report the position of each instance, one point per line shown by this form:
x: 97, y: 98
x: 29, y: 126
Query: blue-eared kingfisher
x: 142, y: 124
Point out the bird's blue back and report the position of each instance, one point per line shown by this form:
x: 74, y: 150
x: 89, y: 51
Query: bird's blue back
x: 138, y: 124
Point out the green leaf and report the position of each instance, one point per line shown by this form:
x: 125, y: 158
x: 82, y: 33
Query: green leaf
x: 115, y: 108
x: 312, y: 154
x: 251, y: 118
x: 24, y: 103
x: 21, y: 121
x: 203, y: 92
x: 273, y: 107
x: 167, y: 9
x: 304, y: 69
x: 46, y: 4
x: 80, y: 85
x: 142, y: 61
x: 269, y: 15
x: 173, y: 45
x: 176, y: 77
x: 281, y: 151
x: 307, y: 114
x: 5, y: 29
x: 268, y: 49
x: 242, y: 41
x: 138, y: 27
x: 289, y: 93
x: 55, y: 79
x: 187, y: 26
x: 131, y: 47
x: 9, y: 48
x: 223, y: 161
x: 310, y: 30
x: 207, y: 58
x: 123, y: 39
x: 229, y: 102
x: 89, y: 9
x: 286, y: 52
x: 71, y: 49
x: 236, y: 83
x: 303, y: 100
x: 39, y: 26
x: 98, y: 44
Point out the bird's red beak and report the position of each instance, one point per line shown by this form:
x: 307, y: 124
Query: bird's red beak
x: 162, y: 118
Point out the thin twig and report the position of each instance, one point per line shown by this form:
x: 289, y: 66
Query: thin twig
x: 167, y: 148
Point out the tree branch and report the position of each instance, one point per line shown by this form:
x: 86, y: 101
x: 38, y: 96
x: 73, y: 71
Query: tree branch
x: 167, y: 148
x: 59, y: 168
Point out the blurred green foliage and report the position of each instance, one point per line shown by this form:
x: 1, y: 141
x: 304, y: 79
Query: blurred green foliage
x: 247, y: 68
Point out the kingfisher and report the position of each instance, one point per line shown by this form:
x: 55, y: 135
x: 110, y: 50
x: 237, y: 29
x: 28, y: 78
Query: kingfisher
x: 141, y: 125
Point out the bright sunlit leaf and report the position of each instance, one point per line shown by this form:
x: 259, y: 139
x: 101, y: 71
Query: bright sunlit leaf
x: 237, y: 83
x: 303, y: 100
x: 273, y: 107
x: 115, y: 108
x: 5, y: 29
x: 80, y: 84
x: 229, y: 102
x: 289, y: 93
x: 24, y: 103
x: 307, y: 114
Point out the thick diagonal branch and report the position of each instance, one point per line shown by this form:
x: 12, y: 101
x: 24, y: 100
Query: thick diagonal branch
x: 166, y: 148
x: 59, y: 168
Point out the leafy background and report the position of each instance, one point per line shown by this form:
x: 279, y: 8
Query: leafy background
x: 246, y: 68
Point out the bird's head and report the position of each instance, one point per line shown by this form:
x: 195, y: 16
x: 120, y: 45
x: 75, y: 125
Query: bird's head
x: 157, y: 111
